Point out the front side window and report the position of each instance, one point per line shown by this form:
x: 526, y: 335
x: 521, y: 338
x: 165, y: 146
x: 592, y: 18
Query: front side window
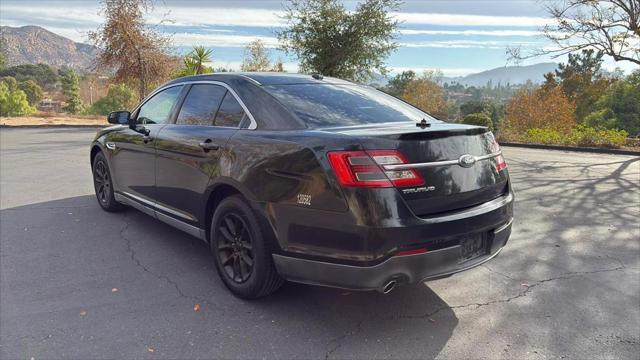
x: 157, y: 110
x: 201, y: 104
x: 230, y: 113
x: 331, y: 105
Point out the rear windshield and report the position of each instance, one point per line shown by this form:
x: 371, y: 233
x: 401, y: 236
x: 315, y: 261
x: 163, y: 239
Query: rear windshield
x: 331, y: 105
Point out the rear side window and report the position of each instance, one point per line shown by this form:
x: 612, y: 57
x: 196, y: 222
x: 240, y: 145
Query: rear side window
x: 331, y: 105
x: 230, y: 113
x: 201, y: 104
x: 158, y: 109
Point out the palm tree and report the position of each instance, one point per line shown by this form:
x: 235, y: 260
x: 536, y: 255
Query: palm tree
x: 194, y: 62
x: 199, y: 56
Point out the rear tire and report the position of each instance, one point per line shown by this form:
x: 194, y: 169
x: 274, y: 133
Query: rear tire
x: 103, y: 185
x: 242, y: 256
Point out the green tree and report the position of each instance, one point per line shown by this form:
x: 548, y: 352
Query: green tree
x: 494, y: 111
x: 71, y: 90
x: 475, y: 106
x: 119, y: 97
x: 14, y: 103
x: 582, y: 80
x: 332, y: 41
x: 10, y: 82
x: 619, y: 106
x: 398, y: 84
x: 480, y: 119
x: 32, y: 90
x: 42, y: 74
x: 194, y: 62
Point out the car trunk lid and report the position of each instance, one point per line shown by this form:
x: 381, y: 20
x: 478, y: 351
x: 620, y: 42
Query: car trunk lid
x: 435, y: 152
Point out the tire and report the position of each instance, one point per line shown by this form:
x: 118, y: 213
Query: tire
x: 103, y: 185
x: 241, y: 251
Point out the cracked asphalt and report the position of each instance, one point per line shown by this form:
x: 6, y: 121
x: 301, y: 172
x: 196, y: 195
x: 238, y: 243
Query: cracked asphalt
x: 79, y: 283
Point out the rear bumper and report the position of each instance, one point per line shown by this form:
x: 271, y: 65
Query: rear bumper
x: 402, y: 269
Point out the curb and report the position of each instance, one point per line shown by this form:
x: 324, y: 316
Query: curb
x: 69, y: 126
x: 571, y: 148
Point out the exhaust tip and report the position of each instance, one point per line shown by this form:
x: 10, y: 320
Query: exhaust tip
x: 388, y: 287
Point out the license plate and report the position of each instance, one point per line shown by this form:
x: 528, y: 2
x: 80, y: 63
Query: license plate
x: 471, y: 247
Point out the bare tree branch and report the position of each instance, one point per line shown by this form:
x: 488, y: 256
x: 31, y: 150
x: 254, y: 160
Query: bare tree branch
x: 609, y: 26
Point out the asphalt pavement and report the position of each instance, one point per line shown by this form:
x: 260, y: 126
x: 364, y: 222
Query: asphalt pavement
x: 79, y: 283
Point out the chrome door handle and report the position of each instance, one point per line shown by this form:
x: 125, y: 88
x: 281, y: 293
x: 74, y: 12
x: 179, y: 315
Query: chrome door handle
x: 209, y: 145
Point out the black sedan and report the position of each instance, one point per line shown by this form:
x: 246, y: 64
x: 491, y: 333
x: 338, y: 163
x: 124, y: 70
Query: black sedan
x: 308, y: 179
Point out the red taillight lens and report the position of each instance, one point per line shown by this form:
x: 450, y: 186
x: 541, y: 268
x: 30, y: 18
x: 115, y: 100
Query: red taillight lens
x: 365, y: 169
x: 500, y: 163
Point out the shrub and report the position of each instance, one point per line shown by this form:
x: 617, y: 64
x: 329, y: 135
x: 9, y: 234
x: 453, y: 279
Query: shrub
x: 544, y: 136
x: 540, y: 108
x: 579, y: 136
x: 10, y: 82
x: 480, y: 119
x: 14, y: 103
x: 587, y: 136
x: 119, y: 97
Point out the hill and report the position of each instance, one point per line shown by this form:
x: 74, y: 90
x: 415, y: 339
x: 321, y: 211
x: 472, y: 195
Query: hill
x: 507, y: 74
x: 33, y: 44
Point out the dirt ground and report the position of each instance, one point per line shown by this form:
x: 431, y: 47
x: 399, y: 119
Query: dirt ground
x: 54, y: 119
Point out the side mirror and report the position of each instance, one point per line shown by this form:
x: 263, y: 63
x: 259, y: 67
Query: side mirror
x: 119, y: 117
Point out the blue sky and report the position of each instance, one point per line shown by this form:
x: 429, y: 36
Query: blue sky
x: 457, y: 37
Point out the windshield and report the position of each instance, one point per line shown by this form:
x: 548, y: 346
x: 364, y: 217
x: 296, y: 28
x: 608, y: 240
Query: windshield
x: 331, y: 105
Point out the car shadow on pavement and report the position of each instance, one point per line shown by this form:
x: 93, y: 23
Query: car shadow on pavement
x: 129, y: 282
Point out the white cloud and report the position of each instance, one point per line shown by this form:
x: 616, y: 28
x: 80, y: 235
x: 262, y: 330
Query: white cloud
x: 470, y: 20
x: 497, y: 33
x: 254, y: 17
x: 61, y: 14
x: 189, y: 16
x: 221, y: 40
x: 467, y: 44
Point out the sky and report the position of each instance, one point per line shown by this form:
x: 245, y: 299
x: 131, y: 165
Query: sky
x: 457, y: 37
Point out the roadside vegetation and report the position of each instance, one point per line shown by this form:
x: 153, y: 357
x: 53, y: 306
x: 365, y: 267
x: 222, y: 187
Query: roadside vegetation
x: 578, y: 104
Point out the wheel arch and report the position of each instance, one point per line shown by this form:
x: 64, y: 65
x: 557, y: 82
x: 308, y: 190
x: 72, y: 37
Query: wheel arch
x: 215, y: 194
x: 95, y: 150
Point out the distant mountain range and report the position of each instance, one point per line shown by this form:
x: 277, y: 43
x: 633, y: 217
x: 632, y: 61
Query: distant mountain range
x: 33, y: 44
x: 505, y: 75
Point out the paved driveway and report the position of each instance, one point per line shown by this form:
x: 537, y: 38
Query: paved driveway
x: 77, y: 282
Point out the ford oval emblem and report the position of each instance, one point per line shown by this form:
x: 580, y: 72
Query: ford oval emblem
x: 467, y: 160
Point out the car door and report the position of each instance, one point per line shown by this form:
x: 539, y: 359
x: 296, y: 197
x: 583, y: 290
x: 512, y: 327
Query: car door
x: 189, y: 152
x: 133, y: 160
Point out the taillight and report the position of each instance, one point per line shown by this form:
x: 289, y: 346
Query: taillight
x: 365, y: 169
x: 500, y: 163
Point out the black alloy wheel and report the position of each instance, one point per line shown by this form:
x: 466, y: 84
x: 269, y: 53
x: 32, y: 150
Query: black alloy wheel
x: 235, y: 251
x: 103, y: 184
x: 243, y: 249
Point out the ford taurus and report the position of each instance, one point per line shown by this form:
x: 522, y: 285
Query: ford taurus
x: 308, y: 179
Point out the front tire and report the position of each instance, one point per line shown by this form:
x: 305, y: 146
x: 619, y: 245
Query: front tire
x: 103, y: 185
x: 242, y: 257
